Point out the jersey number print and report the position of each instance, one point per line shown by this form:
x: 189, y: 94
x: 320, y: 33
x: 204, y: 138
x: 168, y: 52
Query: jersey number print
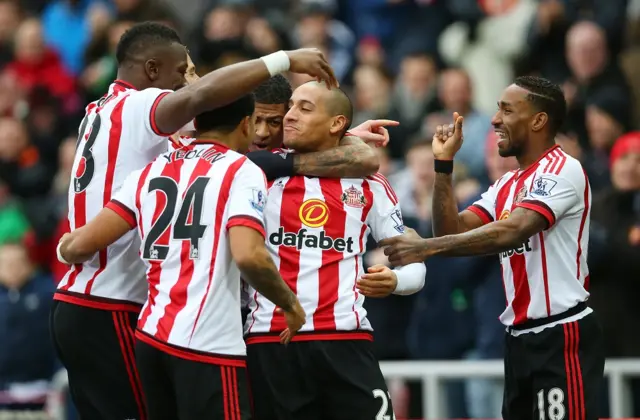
x: 187, y: 225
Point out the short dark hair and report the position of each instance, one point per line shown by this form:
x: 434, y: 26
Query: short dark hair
x: 340, y: 104
x: 275, y: 91
x: 226, y: 118
x: 142, y: 36
x: 545, y: 96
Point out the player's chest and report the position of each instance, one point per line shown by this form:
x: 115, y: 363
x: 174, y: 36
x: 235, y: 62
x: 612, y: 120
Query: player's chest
x: 514, y: 191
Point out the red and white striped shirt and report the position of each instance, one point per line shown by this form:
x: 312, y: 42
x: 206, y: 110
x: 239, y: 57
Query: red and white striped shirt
x: 183, y: 205
x: 317, y: 230
x: 547, y: 274
x: 117, y: 136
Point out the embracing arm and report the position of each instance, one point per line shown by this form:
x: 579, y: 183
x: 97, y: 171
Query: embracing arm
x: 81, y: 244
x: 491, y: 238
x: 352, y: 159
x: 445, y: 217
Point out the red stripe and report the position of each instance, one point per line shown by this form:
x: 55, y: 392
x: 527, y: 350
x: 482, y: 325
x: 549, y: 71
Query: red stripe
x: 583, y: 220
x: 567, y: 368
x: 329, y: 273
x: 480, y: 212
x: 572, y: 361
x: 155, y: 267
x: 501, y: 200
x: 518, y: 262
x: 368, y: 196
x: 136, y: 385
x: 551, y: 161
x: 223, y: 198
x: 152, y: 116
x: 563, y: 159
x: 115, y: 134
x: 126, y: 354
x: 178, y: 293
x: 545, y: 276
x: 390, y: 194
x: 581, y: 415
x: 292, y: 198
x: 556, y: 160
x: 387, y: 185
x: 96, y: 302
x: 237, y: 393
x: 234, y: 394
x: 123, y: 211
x: 313, y: 336
x: 225, y: 392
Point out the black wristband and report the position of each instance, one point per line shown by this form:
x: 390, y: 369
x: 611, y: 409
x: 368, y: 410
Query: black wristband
x: 443, y: 166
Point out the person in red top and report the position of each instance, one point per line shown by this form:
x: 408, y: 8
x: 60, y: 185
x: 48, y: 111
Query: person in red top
x: 536, y: 219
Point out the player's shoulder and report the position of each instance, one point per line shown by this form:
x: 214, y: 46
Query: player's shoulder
x: 559, y: 164
x: 379, y: 184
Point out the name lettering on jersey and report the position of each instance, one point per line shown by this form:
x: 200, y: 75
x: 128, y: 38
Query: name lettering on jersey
x: 396, y: 216
x: 210, y: 155
x: 314, y: 213
x: 304, y: 238
x: 352, y: 197
x: 543, y: 186
x: 525, y: 247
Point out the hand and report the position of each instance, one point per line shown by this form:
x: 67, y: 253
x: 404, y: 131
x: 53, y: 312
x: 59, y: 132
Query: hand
x: 380, y: 282
x: 311, y: 61
x: 374, y: 131
x: 295, y: 318
x: 448, y: 139
x: 405, y: 249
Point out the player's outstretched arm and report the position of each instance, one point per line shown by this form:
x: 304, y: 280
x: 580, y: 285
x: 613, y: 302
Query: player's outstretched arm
x: 250, y: 254
x: 492, y: 238
x: 352, y: 159
x: 225, y: 85
x: 81, y: 244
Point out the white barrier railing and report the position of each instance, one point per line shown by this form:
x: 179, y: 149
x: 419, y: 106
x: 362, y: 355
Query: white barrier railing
x: 433, y: 373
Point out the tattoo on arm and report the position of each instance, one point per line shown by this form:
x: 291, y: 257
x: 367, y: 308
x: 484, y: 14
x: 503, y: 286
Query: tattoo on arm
x: 444, y: 208
x: 352, y: 159
x: 261, y: 273
x: 492, y: 238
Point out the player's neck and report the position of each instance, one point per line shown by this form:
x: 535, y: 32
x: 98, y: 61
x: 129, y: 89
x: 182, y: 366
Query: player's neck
x: 534, y: 153
x: 225, y: 139
x: 126, y: 76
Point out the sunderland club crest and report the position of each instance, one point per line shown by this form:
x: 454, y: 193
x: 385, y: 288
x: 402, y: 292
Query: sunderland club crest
x: 522, y: 194
x: 353, y: 198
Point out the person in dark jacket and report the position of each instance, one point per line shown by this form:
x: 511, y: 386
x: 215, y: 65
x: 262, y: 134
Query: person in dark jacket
x: 27, y: 360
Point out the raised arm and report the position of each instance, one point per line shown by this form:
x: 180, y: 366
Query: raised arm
x: 352, y: 159
x: 224, y: 85
x: 81, y: 244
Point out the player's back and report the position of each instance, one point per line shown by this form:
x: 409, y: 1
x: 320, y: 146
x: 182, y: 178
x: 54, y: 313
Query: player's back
x: 184, y: 205
x: 117, y: 136
x: 317, y: 230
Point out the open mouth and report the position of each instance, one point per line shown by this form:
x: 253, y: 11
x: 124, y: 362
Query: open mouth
x: 501, y: 136
x: 261, y: 146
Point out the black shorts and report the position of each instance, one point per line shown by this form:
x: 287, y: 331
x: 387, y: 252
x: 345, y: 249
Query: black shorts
x: 558, y: 371
x: 180, y: 389
x: 309, y: 380
x: 96, y: 347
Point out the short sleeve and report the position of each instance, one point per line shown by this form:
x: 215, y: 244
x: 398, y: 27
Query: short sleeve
x: 140, y: 111
x: 385, y: 218
x: 124, y: 201
x: 485, y: 207
x: 552, y: 196
x: 248, y: 198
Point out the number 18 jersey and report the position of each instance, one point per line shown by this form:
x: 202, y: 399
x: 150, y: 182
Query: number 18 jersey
x: 117, y: 136
x: 183, y: 205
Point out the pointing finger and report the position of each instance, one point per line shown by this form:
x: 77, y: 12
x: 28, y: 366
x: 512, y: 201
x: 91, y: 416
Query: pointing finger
x: 383, y: 123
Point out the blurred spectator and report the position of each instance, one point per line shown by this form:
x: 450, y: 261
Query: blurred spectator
x: 141, y: 10
x: 593, y: 69
x: 10, y: 18
x: 372, y: 93
x: 13, y: 223
x: 36, y: 64
x: 455, y: 92
x: 317, y: 28
x: 614, y: 254
x: 27, y: 360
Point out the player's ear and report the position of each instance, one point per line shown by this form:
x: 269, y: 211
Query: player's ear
x: 338, y: 124
x: 246, y: 127
x: 540, y: 120
x: 151, y: 67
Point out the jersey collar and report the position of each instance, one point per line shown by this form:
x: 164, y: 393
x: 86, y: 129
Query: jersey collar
x: 124, y: 84
x: 534, y: 165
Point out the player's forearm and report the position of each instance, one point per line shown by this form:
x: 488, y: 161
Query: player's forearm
x: 347, y: 161
x: 444, y: 208
x: 261, y: 273
x: 214, y: 90
x: 411, y: 278
x: 75, y: 248
x: 489, y: 239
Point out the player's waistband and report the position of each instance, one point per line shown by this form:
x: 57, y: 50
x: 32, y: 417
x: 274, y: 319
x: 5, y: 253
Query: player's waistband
x: 260, y: 338
x: 534, y: 323
x: 97, y: 302
x: 191, y: 354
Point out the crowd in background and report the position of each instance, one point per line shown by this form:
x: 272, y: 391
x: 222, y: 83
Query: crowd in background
x: 415, y: 61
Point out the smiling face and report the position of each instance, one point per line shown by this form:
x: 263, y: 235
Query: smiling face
x: 512, y: 123
x: 268, y: 123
